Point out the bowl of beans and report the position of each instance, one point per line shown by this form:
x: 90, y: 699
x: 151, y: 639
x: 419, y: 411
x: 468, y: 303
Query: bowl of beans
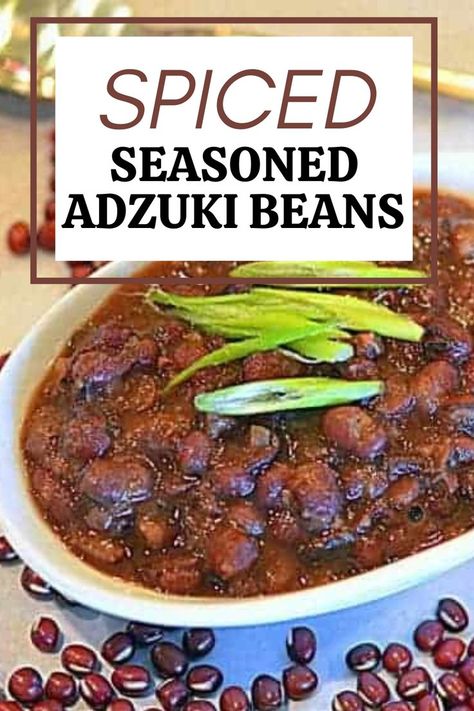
x: 160, y: 462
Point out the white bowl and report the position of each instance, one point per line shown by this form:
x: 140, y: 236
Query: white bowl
x: 44, y: 552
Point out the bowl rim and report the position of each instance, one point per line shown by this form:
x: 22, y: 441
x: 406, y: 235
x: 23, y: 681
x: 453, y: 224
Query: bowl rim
x: 44, y: 551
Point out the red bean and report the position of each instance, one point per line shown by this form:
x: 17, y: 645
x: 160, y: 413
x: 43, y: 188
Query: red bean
x: 172, y: 694
x: 204, y: 679
x: 18, y: 238
x: 50, y: 210
x: 466, y: 671
x: 234, y: 698
x: 81, y: 270
x: 452, y: 689
x: 25, y: 685
x: 168, y: 659
x: 47, y: 235
x: 452, y: 614
x: 61, y: 687
x: 79, y: 660
x: 299, y: 682
x: 7, y: 554
x: 145, y: 634
x: 34, y: 585
x: 347, y: 701
x: 48, y: 705
x: 414, y: 684
x: 396, y: 706
x: 301, y: 645
x: 449, y: 653
x: 199, y: 705
x: 131, y: 680
x: 10, y: 706
x: 266, y: 693
x: 430, y: 702
x: 397, y: 658
x: 198, y: 642
x: 372, y: 689
x: 120, y: 705
x: 96, y: 691
x: 118, y: 648
x: 363, y: 657
x: 45, y: 634
x: 428, y: 635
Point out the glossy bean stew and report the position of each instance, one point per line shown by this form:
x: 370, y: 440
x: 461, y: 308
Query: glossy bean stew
x: 141, y: 485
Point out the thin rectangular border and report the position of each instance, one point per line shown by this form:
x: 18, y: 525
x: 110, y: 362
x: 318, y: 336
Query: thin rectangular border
x: 431, y: 280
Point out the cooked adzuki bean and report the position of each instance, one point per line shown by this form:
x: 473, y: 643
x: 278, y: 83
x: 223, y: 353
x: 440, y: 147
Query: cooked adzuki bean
x: 428, y: 635
x: 397, y: 658
x: 198, y: 641
x: 96, y: 691
x: 26, y: 685
x: 449, y: 653
x: 299, y: 682
x: 363, y: 657
x: 301, y: 645
x: 204, y: 679
x: 61, y: 687
x: 172, y: 694
x: 234, y: 698
x: 45, y: 634
x: 35, y: 585
x: 266, y: 693
x: 430, y: 702
x: 347, y: 701
x: 7, y: 553
x: 414, y: 684
x: 145, y: 634
x: 372, y: 689
x: 79, y: 659
x: 452, y: 614
x: 47, y: 705
x: 131, y: 679
x: 118, y: 648
x: 168, y: 659
x: 466, y: 670
x: 452, y: 689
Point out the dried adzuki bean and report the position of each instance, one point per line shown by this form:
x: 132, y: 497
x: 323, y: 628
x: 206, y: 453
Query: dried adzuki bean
x: 452, y: 614
x: 172, y: 694
x: 363, y: 657
x: 79, y: 659
x: 301, y: 645
x: 131, y: 679
x: 414, y: 684
x: 204, y: 679
x: 34, y: 585
x: 10, y: 706
x: 199, y: 705
x: 18, y: 238
x: 47, y: 705
x: 234, y: 698
x: 449, y: 653
x: 397, y: 658
x: 120, y: 705
x: 372, y: 689
x: 61, y: 687
x: 198, y: 641
x: 7, y: 553
x: 299, y: 682
x: 466, y: 670
x: 452, y: 689
x: 266, y: 693
x: 428, y: 635
x: 145, y: 634
x: 168, y: 659
x: 47, y: 235
x: 396, y: 706
x: 26, y: 685
x: 45, y: 634
x: 96, y: 691
x: 118, y: 648
x: 430, y: 702
x: 347, y: 701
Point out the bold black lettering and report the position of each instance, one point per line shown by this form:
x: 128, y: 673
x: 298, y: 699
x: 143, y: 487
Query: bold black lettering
x: 258, y: 210
x: 353, y: 206
x: 148, y: 162
x: 121, y: 162
x: 390, y: 210
x: 214, y: 163
x: 289, y: 209
x: 183, y: 154
x: 335, y: 163
x: 324, y: 201
x: 147, y: 201
x: 307, y: 162
x: 104, y: 200
x: 78, y: 201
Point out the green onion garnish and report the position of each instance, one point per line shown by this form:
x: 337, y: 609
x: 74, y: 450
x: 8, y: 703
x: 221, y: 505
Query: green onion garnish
x: 285, y: 394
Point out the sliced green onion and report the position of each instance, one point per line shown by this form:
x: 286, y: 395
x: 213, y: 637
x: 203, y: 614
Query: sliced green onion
x: 359, y: 270
x: 285, y: 394
x: 315, y: 349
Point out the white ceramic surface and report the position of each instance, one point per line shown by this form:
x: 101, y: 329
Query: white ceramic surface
x: 41, y: 549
